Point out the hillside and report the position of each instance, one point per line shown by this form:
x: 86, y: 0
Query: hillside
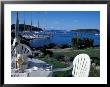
x: 27, y: 27
x: 95, y: 31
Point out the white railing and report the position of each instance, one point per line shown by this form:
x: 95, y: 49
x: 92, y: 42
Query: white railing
x: 19, y: 74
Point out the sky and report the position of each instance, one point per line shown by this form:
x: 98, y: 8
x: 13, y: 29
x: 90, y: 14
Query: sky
x: 59, y: 20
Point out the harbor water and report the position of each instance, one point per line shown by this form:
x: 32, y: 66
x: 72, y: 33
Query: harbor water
x: 63, y: 37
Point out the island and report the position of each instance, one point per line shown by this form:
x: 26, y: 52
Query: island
x: 95, y: 31
x: 27, y: 27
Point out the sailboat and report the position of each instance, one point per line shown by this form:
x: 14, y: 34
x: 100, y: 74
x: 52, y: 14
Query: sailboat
x: 97, y: 34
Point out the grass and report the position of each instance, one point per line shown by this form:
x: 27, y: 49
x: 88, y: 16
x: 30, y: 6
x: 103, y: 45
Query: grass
x: 92, y: 52
x: 67, y: 73
x: 55, y: 63
x: 93, y: 73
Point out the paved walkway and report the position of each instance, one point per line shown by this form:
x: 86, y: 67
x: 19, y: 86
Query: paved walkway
x: 61, y: 50
x: 63, y: 69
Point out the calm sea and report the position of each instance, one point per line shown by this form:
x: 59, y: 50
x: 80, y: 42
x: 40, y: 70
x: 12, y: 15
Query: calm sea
x: 63, y: 37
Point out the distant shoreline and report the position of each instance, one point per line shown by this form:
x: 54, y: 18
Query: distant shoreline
x: 94, y: 31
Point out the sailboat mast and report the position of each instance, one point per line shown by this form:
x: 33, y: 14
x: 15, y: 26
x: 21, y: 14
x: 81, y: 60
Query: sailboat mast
x: 31, y: 25
x: 16, y: 35
x: 38, y: 23
x: 17, y: 25
x: 24, y: 23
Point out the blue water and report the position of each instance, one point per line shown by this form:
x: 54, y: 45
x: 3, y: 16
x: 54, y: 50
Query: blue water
x: 61, y: 37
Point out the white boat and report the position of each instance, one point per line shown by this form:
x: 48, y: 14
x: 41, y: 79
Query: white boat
x: 97, y: 34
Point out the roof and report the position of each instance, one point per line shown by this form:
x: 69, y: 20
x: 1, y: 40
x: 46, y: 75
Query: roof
x: 43, y: 65
x: 36, y: 60
x: 38, y: 73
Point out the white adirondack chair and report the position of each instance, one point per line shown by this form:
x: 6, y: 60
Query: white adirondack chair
x: 20, y: 49
x: 81, y: 66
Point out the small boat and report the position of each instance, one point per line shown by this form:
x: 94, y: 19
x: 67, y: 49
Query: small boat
x: 97, y: 34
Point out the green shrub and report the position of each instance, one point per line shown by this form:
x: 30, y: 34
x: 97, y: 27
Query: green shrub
x: 79, y: 43
x: 67, y: 73
x: 59, y: 57
x: 94, y: 73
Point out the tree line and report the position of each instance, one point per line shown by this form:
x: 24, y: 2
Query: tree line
x: 79, y: 43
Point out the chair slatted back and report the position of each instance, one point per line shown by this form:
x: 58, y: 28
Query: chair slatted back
x: 21, y: 49
x: 81, y: 65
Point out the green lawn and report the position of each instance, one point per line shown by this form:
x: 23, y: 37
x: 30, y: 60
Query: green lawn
x: 92, y: 52
x: 93, y: 73
x: 67, y: 73
x: 55, y: 63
